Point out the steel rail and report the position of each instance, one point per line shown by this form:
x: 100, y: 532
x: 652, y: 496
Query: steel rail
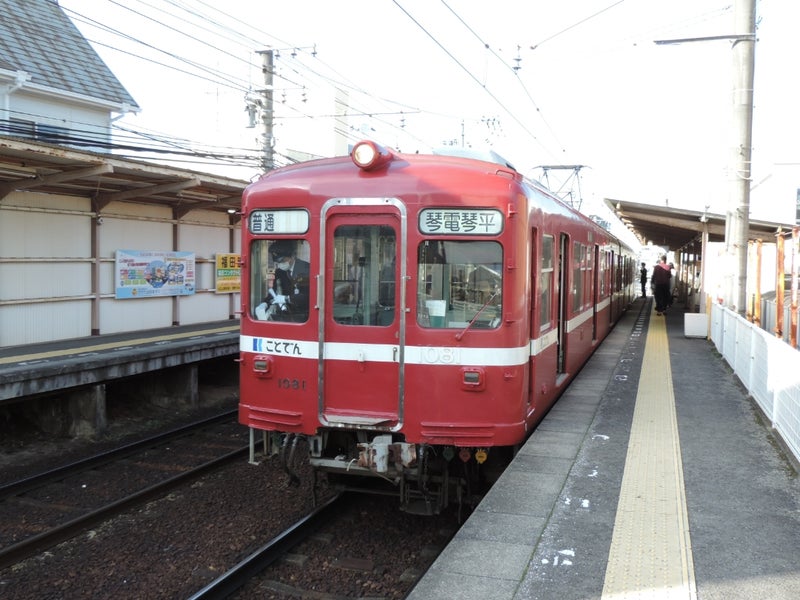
x: 231, y: 581
x: 15, y: 488
x: 26, y: 548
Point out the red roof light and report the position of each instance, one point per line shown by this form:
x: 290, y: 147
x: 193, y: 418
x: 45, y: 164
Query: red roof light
x: 368, y: 155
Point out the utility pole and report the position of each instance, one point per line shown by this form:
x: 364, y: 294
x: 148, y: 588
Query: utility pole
x: 268, y: 69
x: 737, y: 218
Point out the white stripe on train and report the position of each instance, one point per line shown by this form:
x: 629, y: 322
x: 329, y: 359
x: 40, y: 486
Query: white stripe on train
x: 415, y: 355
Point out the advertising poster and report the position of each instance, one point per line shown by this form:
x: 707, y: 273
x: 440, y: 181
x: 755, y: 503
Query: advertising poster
x: 150, y: 274
x: 228, y: 274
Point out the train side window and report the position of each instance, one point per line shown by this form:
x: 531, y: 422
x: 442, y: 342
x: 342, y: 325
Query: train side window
x: 280, y: 280
x: 579, y: 265
x: 588, y: 273
x: 546, y: 269
x: 601, y: 273
x: 459, y: 282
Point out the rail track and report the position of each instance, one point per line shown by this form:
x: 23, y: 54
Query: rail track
x: 236, y: 577
x: 63, y: 502
x: 351, y: 546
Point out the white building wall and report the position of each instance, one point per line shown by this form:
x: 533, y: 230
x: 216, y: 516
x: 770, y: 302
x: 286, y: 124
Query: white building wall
x: 45, y: 268
x: 56, y: 112
x: 203, y: 307
x: 47, y: 264
x: 37, y: 323
x: 134, y: 315
x: 206, y: 241
x: 127, y: 226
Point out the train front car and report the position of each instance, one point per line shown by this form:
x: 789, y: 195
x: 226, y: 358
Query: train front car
x: 384, y: 330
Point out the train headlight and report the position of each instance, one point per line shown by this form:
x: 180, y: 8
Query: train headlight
x: 368, y: 155
x: 473, y: 379
x: 262, y: 366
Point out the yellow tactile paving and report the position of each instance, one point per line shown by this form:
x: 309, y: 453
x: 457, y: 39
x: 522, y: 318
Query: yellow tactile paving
x: 651, y: 553
x: 116, y: 344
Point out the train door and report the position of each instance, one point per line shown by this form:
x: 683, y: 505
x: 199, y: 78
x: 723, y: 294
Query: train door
x: 615, y: 279
x: 596, y: 270
x: 563, y: 293
x: 362, y: 316
x: 534, y: 318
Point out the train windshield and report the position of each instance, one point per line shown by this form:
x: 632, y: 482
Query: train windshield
x: 279, y: 280
x: 364, y: 276
x: 459, y: 283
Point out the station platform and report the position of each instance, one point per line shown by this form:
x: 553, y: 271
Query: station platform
x: 654, y: 476
x: 36, y: 369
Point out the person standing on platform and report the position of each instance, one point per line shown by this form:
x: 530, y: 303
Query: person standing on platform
x: 671, y: 295
x: 661, y: 278
x: 643, y: 279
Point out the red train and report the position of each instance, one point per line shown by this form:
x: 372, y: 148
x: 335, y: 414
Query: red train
x: 412, y: 317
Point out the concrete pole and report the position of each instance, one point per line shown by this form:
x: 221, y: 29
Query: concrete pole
x: 340, y: 109
x: 703, y: 267
x: 738, y: 214
x: 268, y: 69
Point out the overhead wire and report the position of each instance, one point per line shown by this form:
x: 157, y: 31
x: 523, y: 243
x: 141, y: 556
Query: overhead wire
x: 514, y: 71
x: 246, y: 40
x: 177, y: 30
x: 342, y: 82
x: 303, y: 71
x: 219, y: 76
x: 355, y: 107
x: 212, y: 75
x: 223, y: 78
x: 205, y: 73
x: 576, y: 24
x: 469, y: 73
x: 24, y: 124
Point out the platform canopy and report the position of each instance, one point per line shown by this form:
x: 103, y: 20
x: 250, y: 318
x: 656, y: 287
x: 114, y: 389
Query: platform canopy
x: 675, y: 228
x: 52, y: 169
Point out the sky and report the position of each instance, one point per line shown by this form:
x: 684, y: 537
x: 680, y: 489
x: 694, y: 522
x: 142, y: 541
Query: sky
x: 543, y: 83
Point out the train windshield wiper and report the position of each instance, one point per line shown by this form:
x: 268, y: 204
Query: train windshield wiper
x: 460, y: 334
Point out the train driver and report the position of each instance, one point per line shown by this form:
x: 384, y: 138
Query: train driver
x: 287, y: 299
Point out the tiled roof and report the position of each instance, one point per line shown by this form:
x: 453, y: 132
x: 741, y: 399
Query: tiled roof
x: 37, y: 37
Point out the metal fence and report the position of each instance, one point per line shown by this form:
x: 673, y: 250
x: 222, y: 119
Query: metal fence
x: 769, y: 316
x: 767, y: 366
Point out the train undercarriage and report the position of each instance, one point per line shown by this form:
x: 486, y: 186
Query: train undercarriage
x: 425, y: 478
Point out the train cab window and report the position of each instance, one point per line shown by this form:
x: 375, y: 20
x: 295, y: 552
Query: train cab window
x: 459, y: 283
x: 364, y: 275
x: 280, y: 280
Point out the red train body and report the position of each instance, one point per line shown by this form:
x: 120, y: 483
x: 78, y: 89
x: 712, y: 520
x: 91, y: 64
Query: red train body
x: 413, y: 316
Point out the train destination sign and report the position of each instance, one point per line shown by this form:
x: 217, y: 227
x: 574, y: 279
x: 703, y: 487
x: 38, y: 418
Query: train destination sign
x: 278, y: 221
x: 456, y: 221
